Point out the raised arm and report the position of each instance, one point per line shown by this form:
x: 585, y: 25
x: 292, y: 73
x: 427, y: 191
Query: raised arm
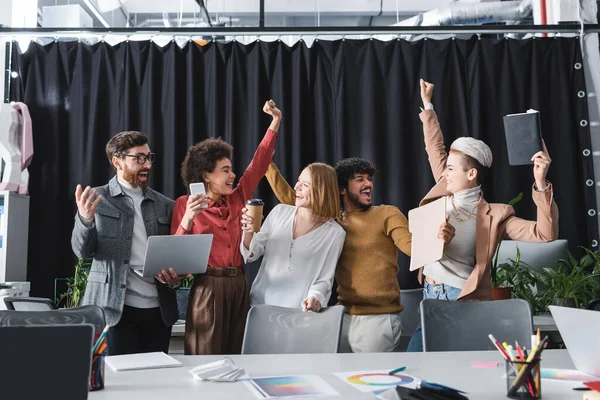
x: 434, y: 140
x: 83, y: 237
x: 395, y: 226
x: 284, y: 192
x: 263, y: 155
x: 545, y: 228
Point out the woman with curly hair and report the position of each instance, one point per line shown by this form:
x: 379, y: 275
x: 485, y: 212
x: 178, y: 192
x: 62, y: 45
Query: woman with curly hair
x: 219, y: 302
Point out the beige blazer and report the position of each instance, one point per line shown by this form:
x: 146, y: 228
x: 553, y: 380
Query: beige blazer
x: 495, y: 222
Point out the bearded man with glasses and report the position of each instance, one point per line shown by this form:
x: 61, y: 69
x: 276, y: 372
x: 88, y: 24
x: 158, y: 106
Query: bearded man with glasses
x: 112, y: 225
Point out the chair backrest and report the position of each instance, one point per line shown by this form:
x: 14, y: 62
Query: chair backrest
x: 278, y: 330
x: 410, y: 298
x: 29, y: 304
x: 593, y: 305
x: 536, y: 254
x: 89, y: 314
x: 465, y: 325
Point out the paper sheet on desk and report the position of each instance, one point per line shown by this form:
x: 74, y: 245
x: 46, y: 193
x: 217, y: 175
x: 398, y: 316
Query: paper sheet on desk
x: 223, y: 370
x: 565, y: 375
x: 132, y: 362
x: 377, y: 381
x: 570, y: 375
x: 273, y: 387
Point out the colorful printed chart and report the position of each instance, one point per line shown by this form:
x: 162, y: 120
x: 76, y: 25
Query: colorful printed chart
x: 290, y: 386
x: 377, y: 381
x: 567, y: 375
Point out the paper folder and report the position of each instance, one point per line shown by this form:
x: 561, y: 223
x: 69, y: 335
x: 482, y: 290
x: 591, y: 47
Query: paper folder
x: 424, y: 224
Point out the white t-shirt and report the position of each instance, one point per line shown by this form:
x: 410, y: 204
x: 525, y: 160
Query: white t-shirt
x: 293, y: 270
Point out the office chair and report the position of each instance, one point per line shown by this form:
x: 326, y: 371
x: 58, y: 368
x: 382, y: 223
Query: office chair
x: 593, y: 305
x: 279, y: 330
x: 411, y: 299
x: 465, y: 325
x: 538, y: 255
x: 29, y: 304
x: 90, y: 314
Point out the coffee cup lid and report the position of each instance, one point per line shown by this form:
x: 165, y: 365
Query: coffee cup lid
x: 255, y: 202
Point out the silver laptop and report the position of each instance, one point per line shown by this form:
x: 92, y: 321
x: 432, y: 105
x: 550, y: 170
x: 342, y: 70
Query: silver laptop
x: 45, y: 361
x: 186, y: 254
x: 579, y: 331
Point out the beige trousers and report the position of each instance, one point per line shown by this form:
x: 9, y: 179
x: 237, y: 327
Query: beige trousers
x: 371, y: 333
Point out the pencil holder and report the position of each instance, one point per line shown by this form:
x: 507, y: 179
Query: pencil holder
x: 523, y: 379
x: 97, y: 373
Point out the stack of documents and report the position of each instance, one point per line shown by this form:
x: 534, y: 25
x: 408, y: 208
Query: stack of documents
x: 219, y: 371
x: 132, y: 362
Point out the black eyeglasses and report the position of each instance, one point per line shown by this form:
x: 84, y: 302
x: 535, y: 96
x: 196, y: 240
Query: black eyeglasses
x: 141, y: 158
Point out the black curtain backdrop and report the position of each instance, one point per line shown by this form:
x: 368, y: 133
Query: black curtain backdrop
x: 339, y: 99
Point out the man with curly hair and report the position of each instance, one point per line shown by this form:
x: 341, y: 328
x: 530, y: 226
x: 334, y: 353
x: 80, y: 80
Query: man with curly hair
x: 367, y: 269
x: 219, y: 299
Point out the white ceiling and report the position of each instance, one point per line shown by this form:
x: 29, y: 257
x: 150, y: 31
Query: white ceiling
x: 233, y: 7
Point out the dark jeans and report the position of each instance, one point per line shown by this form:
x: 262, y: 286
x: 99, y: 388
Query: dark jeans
x: 140, y: 330
x: 440, y: 291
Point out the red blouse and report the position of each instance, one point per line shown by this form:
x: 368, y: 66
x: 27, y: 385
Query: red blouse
x: 223, y: 217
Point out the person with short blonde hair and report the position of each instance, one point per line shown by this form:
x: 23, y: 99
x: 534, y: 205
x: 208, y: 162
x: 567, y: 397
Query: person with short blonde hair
x: 300, y: 244
x: 473, y: 227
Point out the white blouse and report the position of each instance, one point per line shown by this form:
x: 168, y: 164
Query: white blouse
x: 293, y: 270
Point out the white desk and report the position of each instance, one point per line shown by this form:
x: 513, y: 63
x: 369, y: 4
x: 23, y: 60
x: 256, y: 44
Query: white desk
x: 450, y: 368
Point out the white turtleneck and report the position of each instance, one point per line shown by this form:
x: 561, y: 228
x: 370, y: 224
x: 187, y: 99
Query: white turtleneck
x: 458, y: 260
x: 141, y: 292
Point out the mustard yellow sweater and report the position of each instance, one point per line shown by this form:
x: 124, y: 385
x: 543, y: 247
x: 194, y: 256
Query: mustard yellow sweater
x: 367, y: 268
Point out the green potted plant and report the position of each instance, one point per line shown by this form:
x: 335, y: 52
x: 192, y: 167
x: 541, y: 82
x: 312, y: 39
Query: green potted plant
x: 522, y: 280
x: 574, y: 282
x: 500, y: 288
x: 499, y: 291
x: 75, y: 286
x: 183, y: 293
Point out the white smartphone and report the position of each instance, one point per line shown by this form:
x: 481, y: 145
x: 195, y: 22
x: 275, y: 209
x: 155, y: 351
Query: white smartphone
x: 198, y: 188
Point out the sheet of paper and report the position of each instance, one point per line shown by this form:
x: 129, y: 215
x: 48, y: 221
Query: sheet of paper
x: 571, y: 375
x: 377, y: 381
x: 424, y: 224
x: 273, y: 387
x: 131, y: 362
x: 223, y: 370
x: 485, y: 364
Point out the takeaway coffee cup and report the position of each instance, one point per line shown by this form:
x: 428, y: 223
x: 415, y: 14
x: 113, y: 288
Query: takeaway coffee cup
x: 255, y: 209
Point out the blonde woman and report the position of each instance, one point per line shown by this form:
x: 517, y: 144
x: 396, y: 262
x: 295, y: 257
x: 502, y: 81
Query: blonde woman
x: 300, y: 244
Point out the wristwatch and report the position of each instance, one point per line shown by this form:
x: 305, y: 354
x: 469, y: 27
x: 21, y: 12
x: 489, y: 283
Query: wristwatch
x: 428, y: 106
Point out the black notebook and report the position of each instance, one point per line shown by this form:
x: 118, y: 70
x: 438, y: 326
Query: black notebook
x: 523, y: 136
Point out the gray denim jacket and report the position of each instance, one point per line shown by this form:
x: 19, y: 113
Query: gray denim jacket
x: 107, y: 240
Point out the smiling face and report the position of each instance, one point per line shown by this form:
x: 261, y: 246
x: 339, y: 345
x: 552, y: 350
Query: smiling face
x: 303, y: 189
x: 220, y: 180
x: 458, y: 175
x: 359, y: 192
x: 129, y: 170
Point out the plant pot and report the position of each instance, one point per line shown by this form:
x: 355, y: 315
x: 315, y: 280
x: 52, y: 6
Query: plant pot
x: 564, y: 302
x: 501, y: 293
x: 182, y: 300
